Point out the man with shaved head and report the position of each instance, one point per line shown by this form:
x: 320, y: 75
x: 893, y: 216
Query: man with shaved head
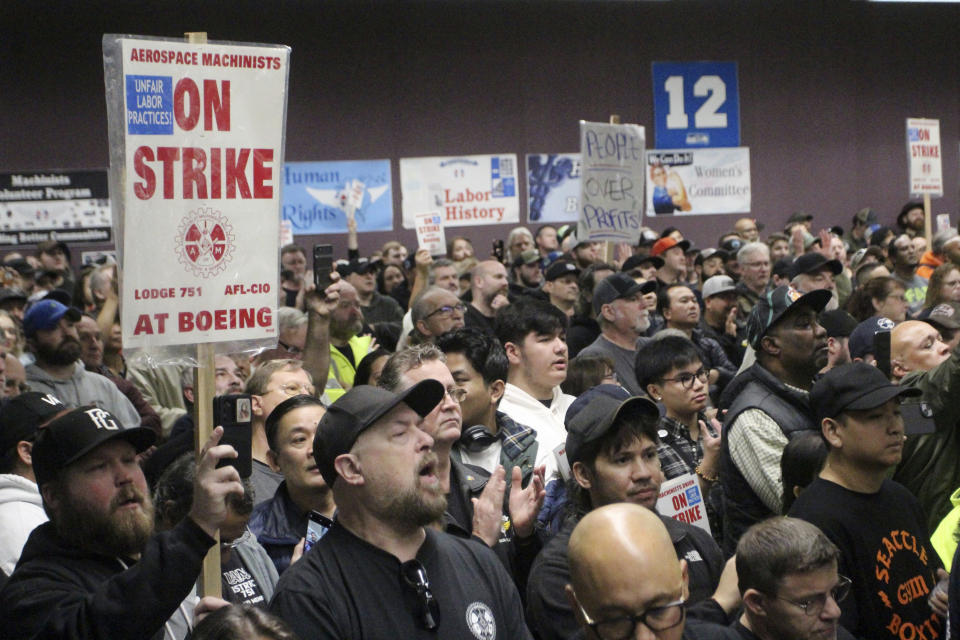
x: 488, y: 291
x: 919, y: 358
x: 625, y: 579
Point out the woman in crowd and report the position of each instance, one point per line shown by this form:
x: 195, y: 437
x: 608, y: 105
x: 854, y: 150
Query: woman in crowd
x: 944, y: 286
x: 883, y: 296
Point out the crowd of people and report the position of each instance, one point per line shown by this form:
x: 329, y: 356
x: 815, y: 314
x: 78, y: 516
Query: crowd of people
x: 483, y: 442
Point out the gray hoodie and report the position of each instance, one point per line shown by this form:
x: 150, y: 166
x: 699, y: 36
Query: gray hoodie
x: 83, y: 388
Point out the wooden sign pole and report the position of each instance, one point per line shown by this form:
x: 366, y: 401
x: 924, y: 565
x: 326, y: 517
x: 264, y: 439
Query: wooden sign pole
x: 927, y: 220
x: 609, y: 247
x: 203, y: 392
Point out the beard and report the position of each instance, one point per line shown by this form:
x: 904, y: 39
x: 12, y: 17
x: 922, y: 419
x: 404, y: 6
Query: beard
x: 416, y: 507
x: 67, y: 352
x: 120, y: 533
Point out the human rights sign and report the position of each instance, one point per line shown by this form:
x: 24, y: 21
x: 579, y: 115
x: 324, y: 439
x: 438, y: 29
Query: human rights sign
x: 196, y: 149
x: 318, y: 196
x: 467, y: 190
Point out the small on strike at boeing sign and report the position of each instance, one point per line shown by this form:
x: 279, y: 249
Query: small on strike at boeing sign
x: 924, y: 157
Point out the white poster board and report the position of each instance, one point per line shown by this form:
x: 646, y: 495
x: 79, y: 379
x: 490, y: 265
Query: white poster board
x: 923, y: 157
x: 196, y: 137
x: 698, y: 181
x: 468, y: 190
x: 611, y: 181
x: 681, y: 499
x: 430, y: 235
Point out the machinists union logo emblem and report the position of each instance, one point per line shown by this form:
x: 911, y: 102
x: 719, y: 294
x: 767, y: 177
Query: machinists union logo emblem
x: 481, y: 622
x: 205, y: 242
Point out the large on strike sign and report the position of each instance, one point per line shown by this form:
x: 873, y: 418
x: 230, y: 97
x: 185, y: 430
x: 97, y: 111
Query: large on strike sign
x: 196, y: 149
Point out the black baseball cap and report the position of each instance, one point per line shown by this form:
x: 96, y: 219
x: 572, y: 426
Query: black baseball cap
x: 773, y: 305
x: 813, y: 261
x: 357, y: 265
x: 592, y: 415
x: 945, y: 315
x: 559, y: 269
x: 838, y: 323
x: 22, y: 416
x: 619, y: 285
x: 356, y: 410
x: 861, y: 338
x: 706, y: 254
x: 854, y: 387
x: 75, y: 434
x: 636, y: 261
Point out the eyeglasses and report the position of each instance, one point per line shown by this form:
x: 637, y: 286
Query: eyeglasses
x: 447, y: 310
x: 686, y: 378
x: 750, y: 265
x: 457, y: 394
x: 623, y: 627
x: 295, y: 389
x: 814, y: 606
x: 415, y: 577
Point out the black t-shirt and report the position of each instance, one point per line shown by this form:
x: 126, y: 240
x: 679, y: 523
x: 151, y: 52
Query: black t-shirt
x: 885, y: 550
x: 345, y: 587
x: 239, y: 587
x: 473, y: 318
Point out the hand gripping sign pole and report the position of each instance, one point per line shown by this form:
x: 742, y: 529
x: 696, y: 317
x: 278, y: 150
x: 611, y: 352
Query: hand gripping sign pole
x: 196, y: 148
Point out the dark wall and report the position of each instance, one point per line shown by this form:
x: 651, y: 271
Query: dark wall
x: 824, y: 86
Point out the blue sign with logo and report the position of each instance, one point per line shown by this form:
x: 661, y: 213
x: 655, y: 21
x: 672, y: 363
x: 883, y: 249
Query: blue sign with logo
x: 696, y: 104
x: 316, y: 195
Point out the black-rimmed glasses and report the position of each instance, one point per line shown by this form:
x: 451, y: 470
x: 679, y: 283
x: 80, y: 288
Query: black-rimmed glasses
x: 623, y: 627
x: 686, y: 378
x: 814, y: 606
x: 415, y: 577
x: 447, y: 310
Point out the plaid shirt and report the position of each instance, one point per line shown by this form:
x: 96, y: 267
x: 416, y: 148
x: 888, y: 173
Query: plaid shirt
x: 675, y: 444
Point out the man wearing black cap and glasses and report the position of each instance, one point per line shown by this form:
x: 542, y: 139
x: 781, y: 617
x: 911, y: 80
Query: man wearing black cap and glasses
x: 768, y: 404
x: 380, y: 572
x: 612, y: 450
x: 96, y: 570
x: 877, y: 524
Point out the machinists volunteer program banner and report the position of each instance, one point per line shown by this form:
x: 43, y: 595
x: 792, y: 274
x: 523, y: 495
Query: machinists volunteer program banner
x: 196, y: 141
x: 36, y: 206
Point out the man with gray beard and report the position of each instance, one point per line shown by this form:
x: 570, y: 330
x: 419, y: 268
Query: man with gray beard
x: 96, y: 570
x: 51, y: 331
x: 623, y: 316
x: 381, y: 572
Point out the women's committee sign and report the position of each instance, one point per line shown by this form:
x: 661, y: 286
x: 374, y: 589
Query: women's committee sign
x: 196, y: 142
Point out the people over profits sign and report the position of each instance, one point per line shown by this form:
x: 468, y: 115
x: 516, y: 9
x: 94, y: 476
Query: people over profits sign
x: 611, y: 181
x: 197, y: 144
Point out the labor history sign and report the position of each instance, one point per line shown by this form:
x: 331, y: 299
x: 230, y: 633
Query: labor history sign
x: 196, y: 149
x: 467, y: 190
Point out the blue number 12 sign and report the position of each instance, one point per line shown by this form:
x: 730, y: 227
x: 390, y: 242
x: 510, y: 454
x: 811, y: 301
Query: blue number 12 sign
x: 696, y: 104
